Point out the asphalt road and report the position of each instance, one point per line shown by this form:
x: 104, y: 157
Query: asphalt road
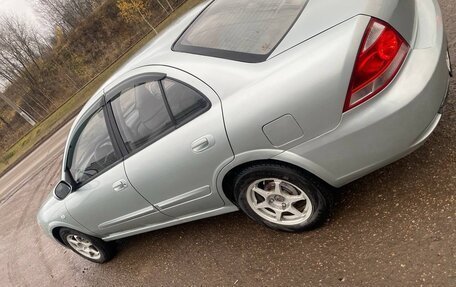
x: 45, y: 154
x: 395, y: 227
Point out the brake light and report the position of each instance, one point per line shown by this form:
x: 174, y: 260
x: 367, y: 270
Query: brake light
x: 382, y: 53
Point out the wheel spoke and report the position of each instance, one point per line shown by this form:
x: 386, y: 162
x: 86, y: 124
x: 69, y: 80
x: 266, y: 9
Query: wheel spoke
x: 260, y: 192
x: 277, y: 188
x: 87, y: 243
x: 278, y: 215
x: 91, y: 252
x: 295, y: 198
x: 294, y: 211
x: 86, y: 253
x: 262, y: 205
x: 73, y: 241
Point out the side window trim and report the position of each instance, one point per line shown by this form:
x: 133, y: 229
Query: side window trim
x: 97, y: 107
x: 112, y: 136
x: 165, y: 100
x: 114, y: 130
x: 80, y: 127
x: 131, y: 82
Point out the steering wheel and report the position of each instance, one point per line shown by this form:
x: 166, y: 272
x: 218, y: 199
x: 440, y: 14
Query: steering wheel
x: 102, y: 152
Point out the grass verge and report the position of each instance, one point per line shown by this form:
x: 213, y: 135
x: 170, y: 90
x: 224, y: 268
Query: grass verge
x: 71, y: 107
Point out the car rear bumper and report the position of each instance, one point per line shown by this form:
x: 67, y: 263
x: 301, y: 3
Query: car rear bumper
x: 394, y: 123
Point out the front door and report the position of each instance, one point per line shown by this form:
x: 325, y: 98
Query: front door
x: 104, y: 201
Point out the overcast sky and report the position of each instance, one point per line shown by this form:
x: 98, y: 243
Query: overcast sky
x: 23, y: 9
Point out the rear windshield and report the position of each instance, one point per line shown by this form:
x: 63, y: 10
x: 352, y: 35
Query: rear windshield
x: 243, y: 30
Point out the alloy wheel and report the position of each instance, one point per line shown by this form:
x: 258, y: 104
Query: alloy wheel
x: 279, y: 201
x: 83, y: 246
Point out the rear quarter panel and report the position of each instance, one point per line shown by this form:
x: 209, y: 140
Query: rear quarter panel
x: 309, y: 82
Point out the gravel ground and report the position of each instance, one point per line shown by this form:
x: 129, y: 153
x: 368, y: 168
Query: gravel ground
x: 395, y: 227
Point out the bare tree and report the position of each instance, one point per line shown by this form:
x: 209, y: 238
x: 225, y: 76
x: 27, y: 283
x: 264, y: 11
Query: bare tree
x: 164, y: 8
x: 169, y: 4
x: 5, y: 122
x: 19, y: 59
x: 66, y: 13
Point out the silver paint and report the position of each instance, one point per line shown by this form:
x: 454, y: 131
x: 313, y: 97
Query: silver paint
x: 179, y: 178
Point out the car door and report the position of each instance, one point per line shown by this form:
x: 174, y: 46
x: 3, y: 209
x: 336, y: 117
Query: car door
x: 104, y: 200
x: 175, y: 137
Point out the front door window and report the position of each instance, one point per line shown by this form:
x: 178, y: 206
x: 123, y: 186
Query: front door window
x: 93, y: 150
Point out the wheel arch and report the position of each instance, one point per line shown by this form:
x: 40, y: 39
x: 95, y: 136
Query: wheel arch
x: 229, y: 178
x: 55, y: 227
x: 56, y: 234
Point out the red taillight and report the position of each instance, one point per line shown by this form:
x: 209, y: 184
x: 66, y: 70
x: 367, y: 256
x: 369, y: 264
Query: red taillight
x: 382, y: 52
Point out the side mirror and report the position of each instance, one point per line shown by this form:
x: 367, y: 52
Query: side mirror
x: 62, y: 190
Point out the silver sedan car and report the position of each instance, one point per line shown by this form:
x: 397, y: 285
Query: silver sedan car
x: 262, y: 106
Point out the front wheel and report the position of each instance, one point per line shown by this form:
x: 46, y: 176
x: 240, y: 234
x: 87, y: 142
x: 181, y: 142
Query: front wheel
x: 88, y: 247
x: 282, y: 198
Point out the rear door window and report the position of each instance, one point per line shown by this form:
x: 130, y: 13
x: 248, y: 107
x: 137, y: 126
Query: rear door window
x: 141, y: 114
x: 146, y: 111
x: 185, y: 103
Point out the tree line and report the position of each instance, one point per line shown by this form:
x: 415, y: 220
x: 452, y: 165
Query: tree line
x: 40, y: 70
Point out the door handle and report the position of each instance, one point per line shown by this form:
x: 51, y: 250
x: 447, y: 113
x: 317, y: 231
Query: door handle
x: 119, y: 185
x: 203, y: 144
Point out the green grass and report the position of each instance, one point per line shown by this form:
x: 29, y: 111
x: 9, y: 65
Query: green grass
x: 75, y: 103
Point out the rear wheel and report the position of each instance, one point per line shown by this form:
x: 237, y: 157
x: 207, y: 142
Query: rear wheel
x: 282, y: 198
x: 91, y: 248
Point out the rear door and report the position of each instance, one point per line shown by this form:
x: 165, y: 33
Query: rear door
x: 173, y: 130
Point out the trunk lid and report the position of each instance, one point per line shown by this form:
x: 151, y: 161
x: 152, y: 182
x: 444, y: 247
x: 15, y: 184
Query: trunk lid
x: 321, y: 15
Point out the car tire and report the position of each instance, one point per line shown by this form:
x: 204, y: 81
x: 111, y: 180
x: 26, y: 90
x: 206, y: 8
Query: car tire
x: 283, y: 198
x: 86, y: 246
